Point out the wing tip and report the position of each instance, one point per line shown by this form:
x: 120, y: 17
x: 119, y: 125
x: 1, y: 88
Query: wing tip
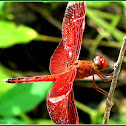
x: 71, y: 3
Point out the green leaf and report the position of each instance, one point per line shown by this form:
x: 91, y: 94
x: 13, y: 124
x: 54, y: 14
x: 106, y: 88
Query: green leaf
x: 4, y: 87
x: 6, y: 73
x: 11, y: 121
x: 10, y: 34
x: 1, y: 4
x: 23, y: 97
x: 44, y: 121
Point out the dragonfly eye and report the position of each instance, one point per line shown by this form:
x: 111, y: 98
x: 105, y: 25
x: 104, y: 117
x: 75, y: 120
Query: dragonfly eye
x: 99, y: 63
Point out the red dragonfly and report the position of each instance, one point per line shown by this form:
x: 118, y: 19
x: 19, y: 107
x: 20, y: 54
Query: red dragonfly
x: 65, y: 67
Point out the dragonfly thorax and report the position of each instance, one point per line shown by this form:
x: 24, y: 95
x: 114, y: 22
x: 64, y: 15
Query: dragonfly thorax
x: 84, y: 69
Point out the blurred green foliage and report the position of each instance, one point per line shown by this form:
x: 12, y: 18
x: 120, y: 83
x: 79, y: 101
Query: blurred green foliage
x: 17, y: 100
x: 12, y: 34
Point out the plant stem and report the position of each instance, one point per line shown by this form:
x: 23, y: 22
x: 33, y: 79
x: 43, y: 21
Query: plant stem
x: 26, y: 118
x: 117, y: 68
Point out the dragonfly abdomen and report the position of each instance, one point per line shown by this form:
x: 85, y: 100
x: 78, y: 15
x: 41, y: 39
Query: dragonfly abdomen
x: 32, y: 79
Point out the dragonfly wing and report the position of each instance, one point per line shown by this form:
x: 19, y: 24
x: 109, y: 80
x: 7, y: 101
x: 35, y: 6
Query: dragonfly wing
x: 64, y: 111
x: 73, y: 28
x: 58, y: 61
x: 72, y: 32
x: 60, y: 100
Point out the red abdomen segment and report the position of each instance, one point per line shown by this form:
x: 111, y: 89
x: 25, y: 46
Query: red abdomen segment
x: 32, y: 79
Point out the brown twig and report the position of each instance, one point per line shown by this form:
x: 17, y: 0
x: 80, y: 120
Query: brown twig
x: 117, y: 67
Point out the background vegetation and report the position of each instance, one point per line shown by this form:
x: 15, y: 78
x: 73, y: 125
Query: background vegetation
x: 30, y: 32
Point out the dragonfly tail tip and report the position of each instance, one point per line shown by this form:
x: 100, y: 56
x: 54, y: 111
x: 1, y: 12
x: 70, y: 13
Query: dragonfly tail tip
x: 4, y: 80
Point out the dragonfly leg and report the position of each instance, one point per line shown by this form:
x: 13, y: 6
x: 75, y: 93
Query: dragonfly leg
x: 98, y: 88
x: 105, y: 78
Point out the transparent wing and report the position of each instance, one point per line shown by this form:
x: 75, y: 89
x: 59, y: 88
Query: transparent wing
x: 73, y: 28
x: 60, y: 100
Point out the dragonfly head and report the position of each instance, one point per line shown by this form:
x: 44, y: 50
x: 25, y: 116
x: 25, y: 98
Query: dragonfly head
x: 99, y: 63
